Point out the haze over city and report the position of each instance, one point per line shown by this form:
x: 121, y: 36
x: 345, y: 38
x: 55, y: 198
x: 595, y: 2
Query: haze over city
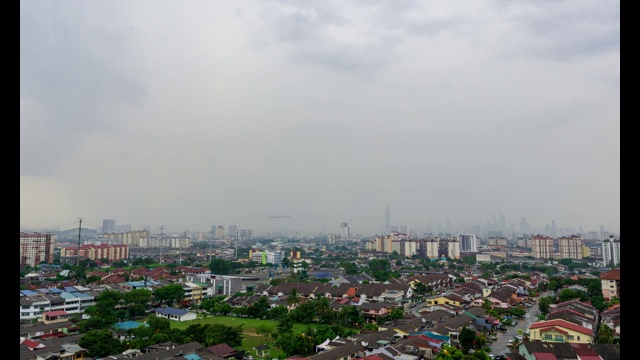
x: 303, y: 115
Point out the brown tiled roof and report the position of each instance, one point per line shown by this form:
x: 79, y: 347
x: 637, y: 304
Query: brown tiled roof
x: 613, y: 274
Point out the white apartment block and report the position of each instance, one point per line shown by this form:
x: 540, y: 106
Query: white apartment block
x: 611, y: 251
x: 73, y: 300
x: 468, y: 243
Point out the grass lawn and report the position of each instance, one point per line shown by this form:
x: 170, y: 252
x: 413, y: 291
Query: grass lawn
x: 251, y: 339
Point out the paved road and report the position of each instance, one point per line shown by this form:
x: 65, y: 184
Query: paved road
x: 501, y: 345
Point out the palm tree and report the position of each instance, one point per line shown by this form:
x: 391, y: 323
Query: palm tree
x: 294, y: 298
x: 322, y: 306
x: 486, y: 304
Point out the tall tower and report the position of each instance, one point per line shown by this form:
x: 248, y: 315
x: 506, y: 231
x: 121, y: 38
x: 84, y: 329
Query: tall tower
x: 108, y: 226
x: 387, y: 220
x: 344, y: 231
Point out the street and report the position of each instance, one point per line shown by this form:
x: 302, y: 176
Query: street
x: 501, y: 345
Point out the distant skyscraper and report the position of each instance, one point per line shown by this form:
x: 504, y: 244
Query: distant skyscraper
x: 344, y: 230
x: 108, y: 226
x: 387, y: 219
x: 220, y: 232
x: 232, y: 231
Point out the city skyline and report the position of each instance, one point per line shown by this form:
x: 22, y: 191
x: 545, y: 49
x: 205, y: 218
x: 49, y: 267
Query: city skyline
x: 487, y: 227
x: 275, y: 114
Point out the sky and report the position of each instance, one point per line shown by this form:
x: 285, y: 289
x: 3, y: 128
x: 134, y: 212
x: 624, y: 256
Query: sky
x: 187, y: 114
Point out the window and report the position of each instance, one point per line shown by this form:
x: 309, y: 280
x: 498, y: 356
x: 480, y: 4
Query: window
x: 559, y: 338
x: 569, y: 337
x: 548, y: 337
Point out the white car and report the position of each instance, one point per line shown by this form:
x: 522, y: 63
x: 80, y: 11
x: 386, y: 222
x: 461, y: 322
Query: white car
x: 519, y: 337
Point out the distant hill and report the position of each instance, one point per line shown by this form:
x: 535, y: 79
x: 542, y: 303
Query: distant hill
x: 67, y: 234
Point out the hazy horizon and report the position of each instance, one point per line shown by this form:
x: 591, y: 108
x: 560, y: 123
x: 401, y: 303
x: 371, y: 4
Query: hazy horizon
x: 197, y: 113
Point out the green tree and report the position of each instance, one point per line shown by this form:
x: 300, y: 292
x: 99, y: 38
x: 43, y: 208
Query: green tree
x: 267, y: 331
x: 78, y: 274
x: 138, y: 299
x: 544, y: 303
x: 220, y: 266
x: 396, y: 313
x: 322, y: 307
x: 285, y: 325
x: 606, y: 334
x: 101, y: 343
x: 169, y: 294
x: 159, y: 324
x: 294, y: 297
x: 351, y: 316
x: 467, y: 339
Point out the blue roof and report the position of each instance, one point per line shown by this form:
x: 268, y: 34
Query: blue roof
x: 84, y: 296
x: 126, y: 325
x: 171, y: 311
x: 70, y: 289
x: 192, y: 357
x: 433, y: 335
x: 68, y: 296
x: 28, y: 292
x: 137, y: 284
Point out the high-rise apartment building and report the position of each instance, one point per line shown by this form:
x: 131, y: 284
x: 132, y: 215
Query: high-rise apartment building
x: 468, y: 243
x: 220, y: 232
x: 108, y: 226
x: 344, y: 231
x: 36, y: 248
x: 611, y: 251
x: 97, y: 252
x: 570, y: 247
x: 542, y: 247
x: 232, y: 232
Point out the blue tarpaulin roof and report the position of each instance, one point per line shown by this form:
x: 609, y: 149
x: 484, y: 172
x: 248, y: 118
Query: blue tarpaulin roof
x: 126, y: 325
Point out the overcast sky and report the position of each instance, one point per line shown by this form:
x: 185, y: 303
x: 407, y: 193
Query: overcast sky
x: 193, y: 113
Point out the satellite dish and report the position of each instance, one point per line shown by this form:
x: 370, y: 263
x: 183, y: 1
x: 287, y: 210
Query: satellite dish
x: 424, y: 320
x: 364, y: 343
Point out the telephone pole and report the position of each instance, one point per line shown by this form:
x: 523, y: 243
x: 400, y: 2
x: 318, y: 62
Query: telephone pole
x: 79, y: 232
x: 161, y: 229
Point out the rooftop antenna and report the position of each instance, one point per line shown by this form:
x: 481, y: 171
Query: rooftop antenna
x: 79, y: 231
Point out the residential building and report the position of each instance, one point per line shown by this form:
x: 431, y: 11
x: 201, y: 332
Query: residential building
x: 108, y: 226
x: 611, y: 251
x: 96, y: 252
x: 468, y: 243
x: 570, y: 247
x: 559, y: 330
x: 36, y: 248
x: 610, y: 284
x: 542, y: 247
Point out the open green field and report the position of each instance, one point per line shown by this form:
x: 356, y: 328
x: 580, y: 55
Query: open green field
x: 251, y: 339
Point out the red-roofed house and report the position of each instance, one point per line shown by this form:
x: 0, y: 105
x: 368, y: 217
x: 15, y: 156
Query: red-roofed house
x: 610, y: 284
x: 559, y: 330
x: 585, y: 352
x: 544, y: 356
x: 50, y: 317
x: 223, y: 350
x: 32, y: 345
